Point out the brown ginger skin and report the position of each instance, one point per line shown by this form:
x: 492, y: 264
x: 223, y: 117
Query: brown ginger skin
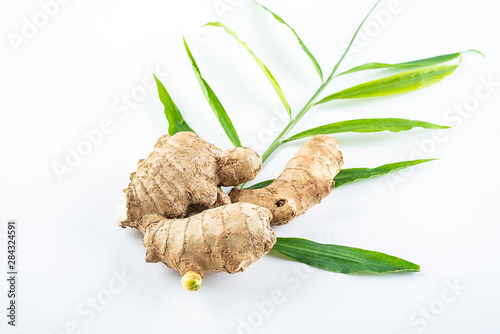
x: 225, y: 239
x: 305, y: 181
x: 182, y: 176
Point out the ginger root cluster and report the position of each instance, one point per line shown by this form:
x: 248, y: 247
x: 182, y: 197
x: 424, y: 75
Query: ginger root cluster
x: 174, y: 198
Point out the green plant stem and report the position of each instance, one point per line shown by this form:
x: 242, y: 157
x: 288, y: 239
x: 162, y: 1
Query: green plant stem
x: 281, y: 137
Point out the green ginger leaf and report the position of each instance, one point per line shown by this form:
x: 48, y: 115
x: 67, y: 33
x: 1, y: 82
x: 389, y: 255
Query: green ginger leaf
x: 350, y: 175
x: 337, y: 65
x: 409, y: 64
x: 395, y: 84
x: 261, y: 184
x: 176, y: 122
x: 302, y: 44
x: 264, y: 68
x: 365, y: 126
x: 214, y: 102
x: 341, y: 259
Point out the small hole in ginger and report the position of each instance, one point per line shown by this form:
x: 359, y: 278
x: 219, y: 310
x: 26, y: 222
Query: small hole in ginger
x: 280, y: 203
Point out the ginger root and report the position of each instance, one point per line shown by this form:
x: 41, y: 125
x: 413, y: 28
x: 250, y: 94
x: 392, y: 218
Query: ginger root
x: 305, y: 181
x: 182, y: 176
x: 225, y: 239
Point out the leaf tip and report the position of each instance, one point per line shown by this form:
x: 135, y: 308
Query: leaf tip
x: 421, y: 161
x: 212, y: 24
x: 476, y: 51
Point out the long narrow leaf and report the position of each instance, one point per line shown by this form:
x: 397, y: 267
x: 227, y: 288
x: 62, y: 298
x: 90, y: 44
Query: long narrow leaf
x: 409, y: 64
x: 335, y: 68
x: 264, y: 68
x: 350, y: 175
x: 261, y: 184
x: 341, y: 259
x: 214, y: 102
x: 304, y: 47
x: 395, y: 84
x: 176, y: 122
x: 365, y: 126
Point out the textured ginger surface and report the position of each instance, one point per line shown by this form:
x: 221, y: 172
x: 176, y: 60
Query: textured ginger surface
x: 225, y: 239
x: 305, y: 181
x: 182, y: 176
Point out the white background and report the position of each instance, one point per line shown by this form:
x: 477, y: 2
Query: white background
x: 77, y: 69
